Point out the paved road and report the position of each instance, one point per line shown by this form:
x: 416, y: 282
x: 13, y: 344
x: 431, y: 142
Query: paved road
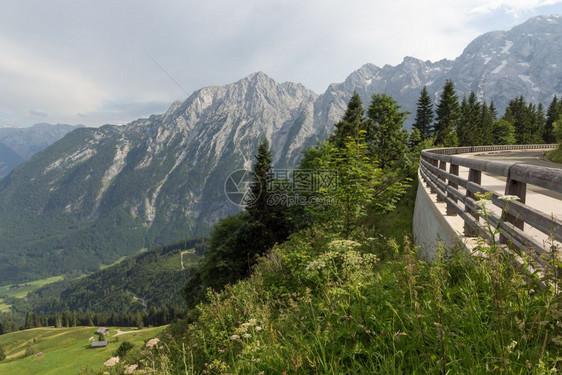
x: 520, y: 157
x: 535, y: 157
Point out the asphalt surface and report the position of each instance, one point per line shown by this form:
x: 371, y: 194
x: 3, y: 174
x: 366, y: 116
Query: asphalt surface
x: 520, y: 157
x: 524, y: 157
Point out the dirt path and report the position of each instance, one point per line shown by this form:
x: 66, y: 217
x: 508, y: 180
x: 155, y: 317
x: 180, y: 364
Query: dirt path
x: 143, y: 302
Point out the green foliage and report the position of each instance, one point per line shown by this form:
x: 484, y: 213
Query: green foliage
x: 351, y: 123
x: 156, y: 276
x: 2, y: 353
x: 447, y: 116
x: 503, y: 132
x: 424, y: 115
x: 553, y: 114
x: 386, y: 138
x: 555, y: 155
x: 124, y: 348
x: 527, y: 119
x: 361, y: 188
x: 469, y: 127
x: 557, y: 130
x: 319, y: 305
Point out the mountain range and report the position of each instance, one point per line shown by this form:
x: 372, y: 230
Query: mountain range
x: 20, y: 144
x: 100, y: 193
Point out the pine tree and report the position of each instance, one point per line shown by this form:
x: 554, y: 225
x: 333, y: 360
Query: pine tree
x: 487, y: 125
x: 258, y: 205
x: 448, y: 113
x: 388, y: 141
x: 469, y: 124
x: 351, y: 123
x: 552, y: 115
x: 503, y: 132
x: 424, y: 115
x: 493, y: 111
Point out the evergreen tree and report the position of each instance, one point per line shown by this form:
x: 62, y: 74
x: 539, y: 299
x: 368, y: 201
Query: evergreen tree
x: 424, y: 115
x: 469, y: 125
x: 448, y: 113
x: 258, y: 205
x: 493, y: 111
x: 503, y: 133
x: 351, y: 123
x: 527, y: 120
x: 552, y: 114
x: 487, y: 119
x: 388, y: 141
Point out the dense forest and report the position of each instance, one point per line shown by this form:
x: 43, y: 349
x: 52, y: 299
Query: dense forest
x: 472, y: 122
x: 138, y: 286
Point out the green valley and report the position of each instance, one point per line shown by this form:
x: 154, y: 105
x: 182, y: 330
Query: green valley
x: 64, y: 351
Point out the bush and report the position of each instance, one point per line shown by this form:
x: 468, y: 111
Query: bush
x: 123, y: 349
x: 2, y: 353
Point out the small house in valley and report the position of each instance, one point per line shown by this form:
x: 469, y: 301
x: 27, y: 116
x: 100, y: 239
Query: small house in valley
x: 103, y: 330
x: 99, y: 344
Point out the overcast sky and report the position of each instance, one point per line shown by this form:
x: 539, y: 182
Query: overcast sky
x: 97, y: 62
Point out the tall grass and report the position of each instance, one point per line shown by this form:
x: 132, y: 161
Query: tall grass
x: 319, y: 305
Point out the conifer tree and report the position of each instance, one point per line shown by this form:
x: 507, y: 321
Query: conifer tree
x: 351, y: 123
x: 448, y: 113
x: 469, y: 125
x: 262, y: 177
x: 424, y: 115
x: 386, y: 138
x: 487, y: 125
x: 493, y: 111
x: 552, y: 115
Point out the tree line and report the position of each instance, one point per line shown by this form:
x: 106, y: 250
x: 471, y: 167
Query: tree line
x: 473, y: 122
x: 153, y: 317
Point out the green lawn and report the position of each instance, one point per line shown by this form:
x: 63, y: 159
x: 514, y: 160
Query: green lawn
x: 64, y: 350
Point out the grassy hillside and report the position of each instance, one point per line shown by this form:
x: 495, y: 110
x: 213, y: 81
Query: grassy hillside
x: 64, y: 350
x: 555, y: 155
x: 154, y: 276
x: 22, y: 290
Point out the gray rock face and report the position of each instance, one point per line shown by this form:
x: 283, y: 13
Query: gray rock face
x: 97, y: 194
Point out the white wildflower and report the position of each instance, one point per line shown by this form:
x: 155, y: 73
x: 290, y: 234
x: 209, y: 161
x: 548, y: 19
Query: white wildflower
x: 234, y: 337
x: 509, y: 198
x: 245, y: 325
x: 152, y: 342
x: 258, y: 328
x: 111, y: 362
x: 247, y: 335
x: 343, y: 245
x: 253, y: 321
x: 131, y: 369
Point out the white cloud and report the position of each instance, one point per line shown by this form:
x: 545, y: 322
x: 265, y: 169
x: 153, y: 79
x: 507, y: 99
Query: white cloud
x: 512, y: 7
x: 65, y: 58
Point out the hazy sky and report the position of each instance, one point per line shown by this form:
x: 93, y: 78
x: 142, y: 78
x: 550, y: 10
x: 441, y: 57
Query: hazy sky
x: 96, y: 62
